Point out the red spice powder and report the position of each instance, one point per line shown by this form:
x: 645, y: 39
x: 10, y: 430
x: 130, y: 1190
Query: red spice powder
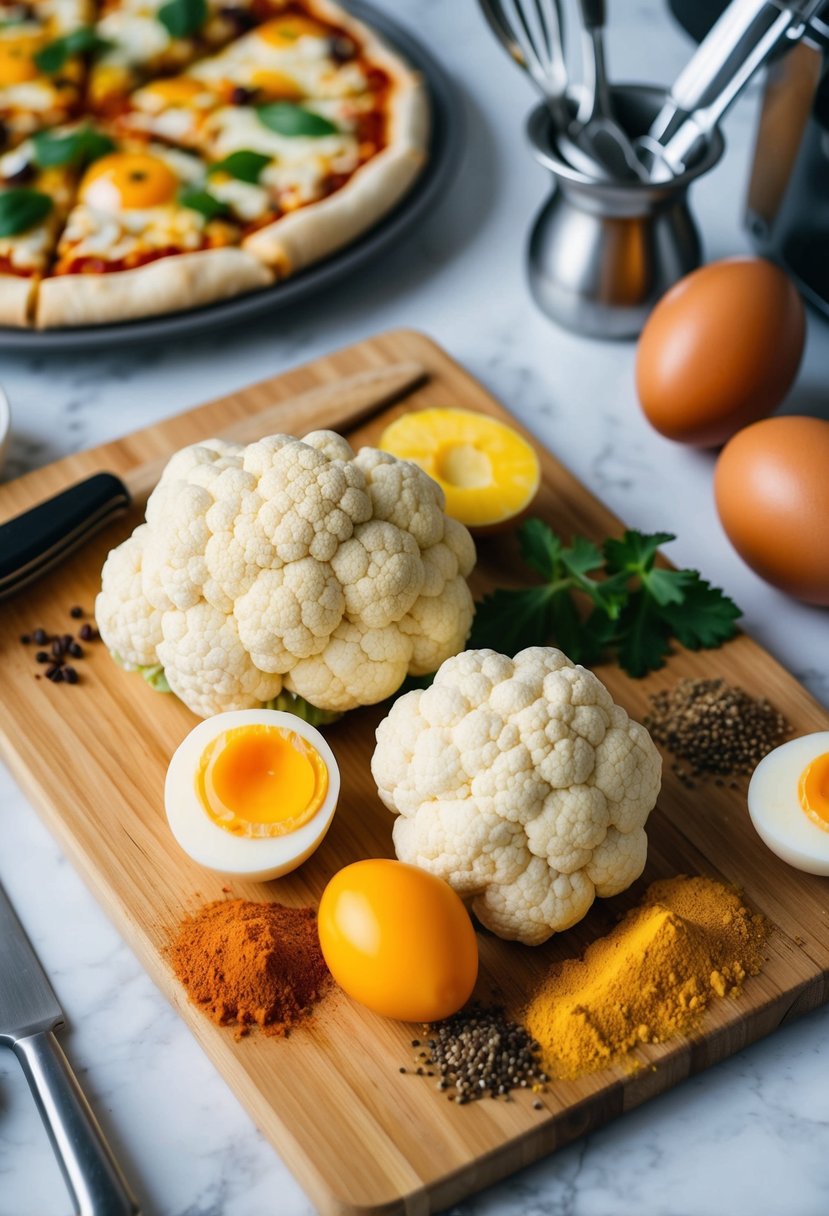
x: 247, y: 963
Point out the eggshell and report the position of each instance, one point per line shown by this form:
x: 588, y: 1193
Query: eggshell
x: 720, y: 350
x: 772, y: 491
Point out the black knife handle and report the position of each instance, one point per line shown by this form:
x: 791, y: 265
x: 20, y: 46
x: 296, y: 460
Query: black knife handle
x: 32, y: 542
x: 93, y: 1176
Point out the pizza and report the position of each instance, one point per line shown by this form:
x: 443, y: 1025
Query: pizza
x: 164, y: 155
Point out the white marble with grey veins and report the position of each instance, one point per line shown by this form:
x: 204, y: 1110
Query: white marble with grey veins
x: 747, y: 1137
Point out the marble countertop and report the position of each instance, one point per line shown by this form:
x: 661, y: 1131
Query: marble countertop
x: 745, y: 1137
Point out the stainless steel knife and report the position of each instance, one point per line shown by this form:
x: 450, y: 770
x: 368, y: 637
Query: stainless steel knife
x: 29, y: 1016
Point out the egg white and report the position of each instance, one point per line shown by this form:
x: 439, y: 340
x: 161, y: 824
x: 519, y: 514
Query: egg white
x: 775, y: 808
x: 210, y: 845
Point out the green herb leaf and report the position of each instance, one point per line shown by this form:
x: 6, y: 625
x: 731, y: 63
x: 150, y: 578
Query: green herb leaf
x: 82, y: 41
x: 285, y: 118
x: 183, y: 18
x: 637, y: 607
x: 202, y: 201
x: 508, y: 621
x: 78, y: 149
x: 21, y: 209
x: 540, y: 548
x: 643, y: 638
x: 245, y: 166
x: 705, y: 617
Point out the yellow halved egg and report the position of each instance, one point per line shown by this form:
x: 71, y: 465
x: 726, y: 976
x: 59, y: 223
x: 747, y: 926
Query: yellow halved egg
x: 17, y: 58
x: 130, y: 180
x: 788, y: 801
x: 488, y: 472
x: 275, y: 85
x: 252, y: 792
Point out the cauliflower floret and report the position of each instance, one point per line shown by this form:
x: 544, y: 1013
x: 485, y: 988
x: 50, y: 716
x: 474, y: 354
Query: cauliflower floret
x: 289, y: 563
x: 521, y: 783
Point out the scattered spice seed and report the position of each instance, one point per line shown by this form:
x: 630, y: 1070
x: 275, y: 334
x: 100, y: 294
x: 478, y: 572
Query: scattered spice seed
x: 55, y: 675
x: 715, y: 728
x: 61, y: 646
x: 25, y: 639
x: 70, y: 675
x: 43, y: 657
x: 74, y: 650
x: 76, y: 612
x: 478, y: 1053
x: 57, y: 648
x: 86, y: 633
x: 40, y: 636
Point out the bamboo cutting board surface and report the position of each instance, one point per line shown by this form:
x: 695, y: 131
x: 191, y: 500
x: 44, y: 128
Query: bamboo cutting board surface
x: 359, y: 1135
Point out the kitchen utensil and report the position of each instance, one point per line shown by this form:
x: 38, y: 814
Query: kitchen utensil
x: 360, y: 1136
x: 35, y: 540
x: 546, y: 68
x: 602, y: 253
x: 446, y: 147
x: 595, y: 128
x: 29, y: 1016
x: 739, y: 43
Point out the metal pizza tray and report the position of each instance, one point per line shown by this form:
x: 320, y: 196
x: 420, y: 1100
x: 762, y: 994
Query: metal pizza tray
x: 444, y: 156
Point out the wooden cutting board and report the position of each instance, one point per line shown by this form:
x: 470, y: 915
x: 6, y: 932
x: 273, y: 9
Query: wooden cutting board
x: 359, y: 1135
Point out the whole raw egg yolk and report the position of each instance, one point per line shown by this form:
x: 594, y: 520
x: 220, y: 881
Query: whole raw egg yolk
x: 261, y: 780
x: 285, y: 31
x: 130, y: 180
x: 17, y: 59
x: 813, y: 790
x: 398, y: 940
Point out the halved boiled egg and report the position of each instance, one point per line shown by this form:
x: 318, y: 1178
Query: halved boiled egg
x: 252, y: 793
x: 788, y: 801
x: 130, y: 180
x: 284, y: 32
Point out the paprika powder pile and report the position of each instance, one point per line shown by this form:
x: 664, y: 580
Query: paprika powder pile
x: 247, y: 963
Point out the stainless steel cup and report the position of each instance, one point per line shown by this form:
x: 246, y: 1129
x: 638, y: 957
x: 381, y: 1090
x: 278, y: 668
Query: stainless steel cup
x: 602, y: 253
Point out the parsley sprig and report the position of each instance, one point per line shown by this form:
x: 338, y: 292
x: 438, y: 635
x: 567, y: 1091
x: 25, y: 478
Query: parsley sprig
x: 597, y: 601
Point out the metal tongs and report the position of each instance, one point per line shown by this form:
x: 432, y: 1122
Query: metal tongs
x: 744, y: 38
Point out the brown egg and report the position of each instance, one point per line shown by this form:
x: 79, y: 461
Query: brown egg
x: 720, y: 350
x: 772, y: 489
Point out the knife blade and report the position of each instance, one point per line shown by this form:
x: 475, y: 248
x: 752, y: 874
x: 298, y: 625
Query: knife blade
x: 36, y: 540
x: 29, y: 1014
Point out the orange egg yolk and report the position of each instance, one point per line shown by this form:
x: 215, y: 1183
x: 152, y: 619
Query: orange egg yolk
x: 130, y: 180
x: 17, y: 59
x: 275, y: 85
x: 285, y: 31
x: 261, y: 780
x: 813, y: 790
x: 177, y: 90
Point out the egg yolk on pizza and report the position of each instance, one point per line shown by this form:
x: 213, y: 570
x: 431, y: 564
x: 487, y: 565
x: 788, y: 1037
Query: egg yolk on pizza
x: 17, y: 59
x: 130, y: 181
x: 176, y: 90
x: 283, y: 32
x: 275, y: 85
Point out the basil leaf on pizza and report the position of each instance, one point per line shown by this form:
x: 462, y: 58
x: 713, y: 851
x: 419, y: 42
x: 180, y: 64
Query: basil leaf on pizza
x: 21, y: 209
x: 203, y: 201
x: 78, y: 149
x: 82, y: 41
x: 285, y: 118
x: 183, y: 18
x: 245, y: 166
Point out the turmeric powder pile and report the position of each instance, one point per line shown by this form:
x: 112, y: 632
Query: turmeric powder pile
x: 688, y: 941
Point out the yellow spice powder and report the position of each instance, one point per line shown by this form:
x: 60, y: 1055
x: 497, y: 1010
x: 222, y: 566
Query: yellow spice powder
x: 688, y: 941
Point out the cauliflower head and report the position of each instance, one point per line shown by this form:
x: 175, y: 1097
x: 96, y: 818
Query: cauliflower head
x: 288, y: 564
x: 521, y: 783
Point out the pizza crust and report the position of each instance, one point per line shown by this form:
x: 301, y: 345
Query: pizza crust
x: 170, y: 284
x: 16, y: 299
x: 312, y: 232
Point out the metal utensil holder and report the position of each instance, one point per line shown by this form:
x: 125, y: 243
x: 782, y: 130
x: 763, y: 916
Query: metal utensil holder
x: 602, y: 253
